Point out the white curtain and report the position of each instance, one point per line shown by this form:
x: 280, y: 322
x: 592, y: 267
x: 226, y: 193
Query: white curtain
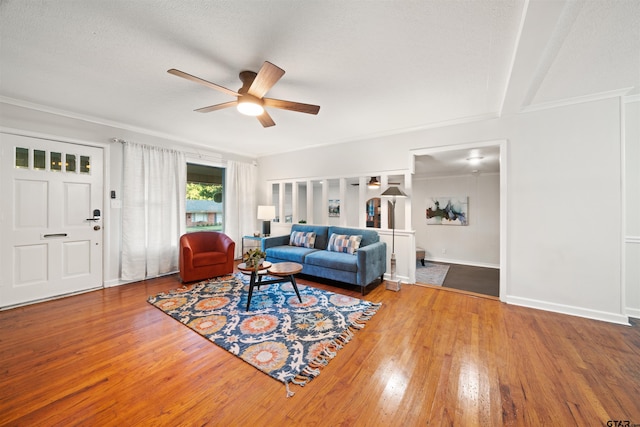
x: 153, y: 210
x: 240, y: 202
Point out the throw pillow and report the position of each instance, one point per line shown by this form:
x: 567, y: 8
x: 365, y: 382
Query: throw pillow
x: 344, y: 243
x: 300, y: 238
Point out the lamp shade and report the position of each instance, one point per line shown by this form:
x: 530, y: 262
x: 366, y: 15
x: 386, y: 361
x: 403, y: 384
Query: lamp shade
x: 393, y: 192
x: 266, y: 212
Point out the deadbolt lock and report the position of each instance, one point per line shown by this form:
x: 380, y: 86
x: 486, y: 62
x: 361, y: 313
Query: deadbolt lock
x: 96, y: 227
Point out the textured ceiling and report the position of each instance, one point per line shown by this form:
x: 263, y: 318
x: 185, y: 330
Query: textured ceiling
x: 374, y: 67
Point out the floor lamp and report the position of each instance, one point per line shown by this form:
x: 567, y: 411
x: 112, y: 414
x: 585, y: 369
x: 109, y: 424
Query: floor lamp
x: 394, y: 193
x: 266, y: 214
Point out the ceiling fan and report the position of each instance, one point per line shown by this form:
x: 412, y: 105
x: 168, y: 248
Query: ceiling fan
x: 250, y: 97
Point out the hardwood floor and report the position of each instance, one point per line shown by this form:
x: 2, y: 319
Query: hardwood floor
x: 429, y: 356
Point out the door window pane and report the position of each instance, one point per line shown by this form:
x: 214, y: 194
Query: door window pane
x: 70, y: 164
x: 85, y: 164
x: 39, y: 159
x: 56, y: 161
x: 22, y: 157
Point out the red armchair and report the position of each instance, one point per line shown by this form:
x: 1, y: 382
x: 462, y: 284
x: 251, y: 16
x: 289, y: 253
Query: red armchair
x: 205, y: 254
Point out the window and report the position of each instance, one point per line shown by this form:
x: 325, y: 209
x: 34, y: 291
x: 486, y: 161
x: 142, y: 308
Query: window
x: 26, y: 158
x: 205, y: 198
x: 56, y: 161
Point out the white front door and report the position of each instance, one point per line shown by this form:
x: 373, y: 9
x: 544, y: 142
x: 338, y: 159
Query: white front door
x: 50, y: 218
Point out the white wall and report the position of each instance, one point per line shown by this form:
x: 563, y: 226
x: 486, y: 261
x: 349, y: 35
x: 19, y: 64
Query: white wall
x: 564, y: 220
x: 475, y: 244
x: 63, y: 128
x: 632, y: 211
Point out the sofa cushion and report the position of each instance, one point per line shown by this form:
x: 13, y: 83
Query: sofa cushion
x: 209, y: 258
x: 303, y: 239
x: 289, y: 253
x: 333, y: 260
x: 344, y: 243
x: 321, y: 233
x: 368, y: 236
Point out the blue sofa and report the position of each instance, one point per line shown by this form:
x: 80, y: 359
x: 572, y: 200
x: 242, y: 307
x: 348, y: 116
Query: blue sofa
x: 367, y: 264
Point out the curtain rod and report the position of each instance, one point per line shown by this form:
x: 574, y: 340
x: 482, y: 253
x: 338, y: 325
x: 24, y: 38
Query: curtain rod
x: 212, y: 157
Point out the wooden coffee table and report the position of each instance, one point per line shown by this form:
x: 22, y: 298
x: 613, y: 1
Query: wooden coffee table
x: 284, y: 272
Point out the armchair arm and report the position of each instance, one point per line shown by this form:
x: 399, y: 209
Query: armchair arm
x: 222, y: 243
x: 186, y: 253
x: 372, y: 262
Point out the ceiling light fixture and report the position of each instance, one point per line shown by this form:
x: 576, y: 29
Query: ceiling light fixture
x: 373, y: 183
x: 475, y: 160
x: 250, y: 105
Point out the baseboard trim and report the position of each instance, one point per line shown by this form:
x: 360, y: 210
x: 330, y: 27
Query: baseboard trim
x: 461, y: 262
x: 633, y: 312
x: 52, y: 298
x: 117, y: 282
x: 568, y: 309
x: 120, y: 282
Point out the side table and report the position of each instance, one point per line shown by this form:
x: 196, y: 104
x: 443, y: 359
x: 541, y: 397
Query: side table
x: 252, y: 239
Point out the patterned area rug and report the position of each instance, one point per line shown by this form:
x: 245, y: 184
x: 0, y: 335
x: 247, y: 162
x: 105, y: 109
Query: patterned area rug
x: 288, y: 340
x: 431, y: 274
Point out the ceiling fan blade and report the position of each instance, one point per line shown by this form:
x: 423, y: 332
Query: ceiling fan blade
x: 268, y: 75
x: 266, y: 120
x: 201, y: 81
x: 217, y: 107
x: 292, y: 106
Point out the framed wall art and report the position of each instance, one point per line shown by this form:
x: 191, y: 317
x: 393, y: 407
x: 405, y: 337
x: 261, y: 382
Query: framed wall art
x: 448, y: 210
x: 334, y: 208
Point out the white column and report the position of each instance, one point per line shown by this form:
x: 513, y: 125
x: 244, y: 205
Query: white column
x: 384, y: 205
x: 310, y: 202
x: 362, y: 202
x: 325, y: 202
x: 294, y: 203
x: 281, y: 192
x: 343, y: 202
x: 408, y: 202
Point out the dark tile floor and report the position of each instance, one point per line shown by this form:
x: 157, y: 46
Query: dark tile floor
x: 473, y: 279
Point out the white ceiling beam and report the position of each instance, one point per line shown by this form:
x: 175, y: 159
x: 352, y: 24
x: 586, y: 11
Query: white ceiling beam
x: 543, y: 29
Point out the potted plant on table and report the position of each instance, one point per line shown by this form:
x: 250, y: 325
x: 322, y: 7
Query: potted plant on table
x: 254, y: 258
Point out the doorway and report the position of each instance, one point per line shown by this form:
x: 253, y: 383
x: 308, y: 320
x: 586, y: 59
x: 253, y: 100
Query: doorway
x: 455, y: 164
x: 50, y: 218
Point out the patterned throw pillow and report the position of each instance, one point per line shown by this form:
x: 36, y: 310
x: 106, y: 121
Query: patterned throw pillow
x: 344, y: 243
x: 300, y: 238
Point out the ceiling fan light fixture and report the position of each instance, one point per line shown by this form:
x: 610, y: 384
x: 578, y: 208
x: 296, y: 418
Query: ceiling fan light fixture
x: 250, y: 105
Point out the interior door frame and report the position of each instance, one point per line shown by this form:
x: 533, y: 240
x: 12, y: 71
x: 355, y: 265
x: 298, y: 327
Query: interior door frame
x: 106, y: 183
x: 503, y: 145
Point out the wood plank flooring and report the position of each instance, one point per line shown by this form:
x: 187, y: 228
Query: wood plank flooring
x: 428, y: 357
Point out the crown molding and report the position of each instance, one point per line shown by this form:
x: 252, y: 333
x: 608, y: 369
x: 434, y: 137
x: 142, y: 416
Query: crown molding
x: 114, y: 124
x: 631, y: 98
x: 576, y: 100
x: 382, y: 134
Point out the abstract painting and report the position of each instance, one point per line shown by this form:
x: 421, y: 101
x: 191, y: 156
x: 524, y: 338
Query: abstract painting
x: 447, y: 210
